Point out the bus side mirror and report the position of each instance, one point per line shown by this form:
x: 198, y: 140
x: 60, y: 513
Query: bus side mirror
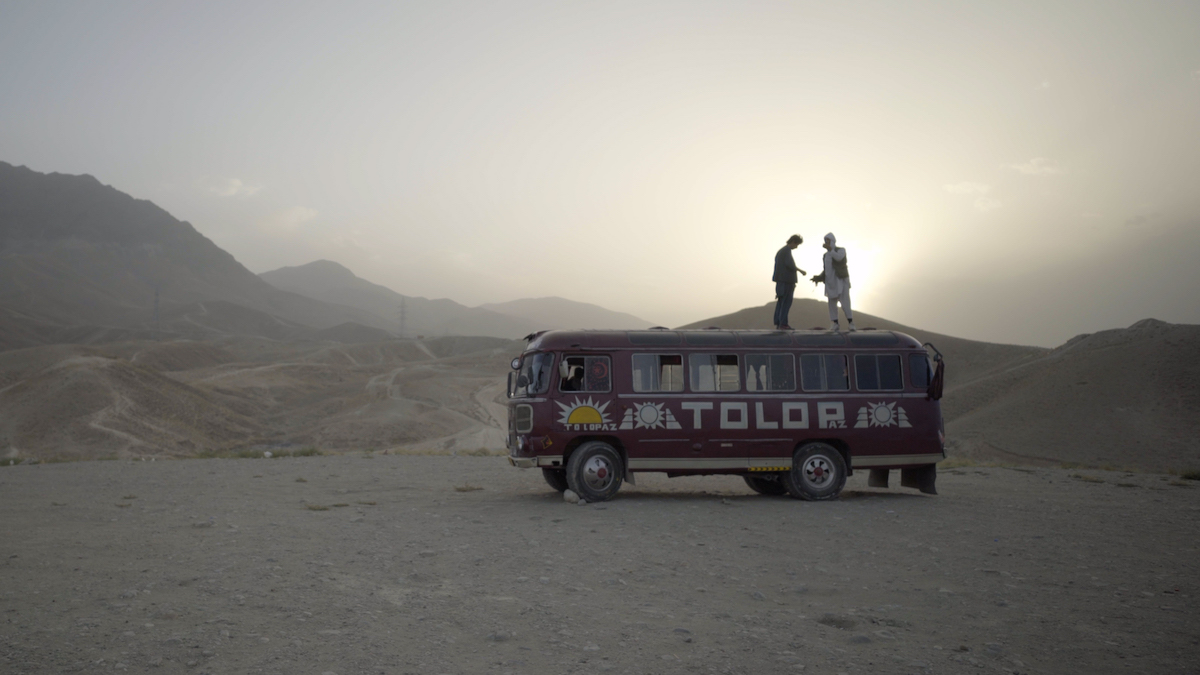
x: 509, y: 389
x: 939, y: 376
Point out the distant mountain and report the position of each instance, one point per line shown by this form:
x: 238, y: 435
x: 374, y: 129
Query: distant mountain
x: 328, y: 281
x: 556, y: 312
x: 966, y: 360
x: 75, y: 252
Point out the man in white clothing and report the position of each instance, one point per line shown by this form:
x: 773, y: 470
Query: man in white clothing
x: 836, y: 277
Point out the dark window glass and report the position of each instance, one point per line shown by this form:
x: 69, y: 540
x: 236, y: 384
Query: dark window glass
x: 711, y: 338
x: 585, y: 373
x: 867, y: 374
x: 657, y: 372
x: 837, y: 373
x: 656, y: 337
x: 811, y: 372
x: 824, y: 372
x: 534, y: 377
x: 878, y: 372
x: 714, y: 372
x: 770, y: 372
x: 920, y: 370
x: 889, y: 371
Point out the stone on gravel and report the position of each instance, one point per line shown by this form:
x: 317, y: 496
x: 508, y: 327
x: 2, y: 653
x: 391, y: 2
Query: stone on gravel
x: 570, y: 497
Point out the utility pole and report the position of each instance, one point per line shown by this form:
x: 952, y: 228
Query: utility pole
x: 156, y: 325
x: 403, y: 312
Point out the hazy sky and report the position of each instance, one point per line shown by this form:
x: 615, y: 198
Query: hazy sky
x: 1018, y: 172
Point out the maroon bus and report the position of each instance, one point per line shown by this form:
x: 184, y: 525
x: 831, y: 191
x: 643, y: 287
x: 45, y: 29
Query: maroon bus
x: 792, y: 412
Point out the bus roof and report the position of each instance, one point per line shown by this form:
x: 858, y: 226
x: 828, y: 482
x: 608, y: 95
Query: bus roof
x: 711, y: 338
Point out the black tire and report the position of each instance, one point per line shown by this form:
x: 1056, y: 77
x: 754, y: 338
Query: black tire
x: 556, y: 478
x: 818, y: 473
x: 595, y: 471
x: 768, y: 484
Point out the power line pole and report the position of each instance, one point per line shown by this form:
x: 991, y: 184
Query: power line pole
x: 156, y: 325
x: 403, y: 311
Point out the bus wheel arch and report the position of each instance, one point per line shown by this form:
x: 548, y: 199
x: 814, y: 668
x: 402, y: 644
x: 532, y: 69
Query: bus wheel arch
x: 574, y: 444
x: 595, y: 469
x: 818, y: 472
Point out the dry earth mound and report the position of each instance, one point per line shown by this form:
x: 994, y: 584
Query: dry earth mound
x: 85, y: 406
x: 353, y: 333
x: 1124, y: 398
x: 188, y: 397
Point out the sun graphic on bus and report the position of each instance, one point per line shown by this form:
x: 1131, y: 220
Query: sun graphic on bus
x: 649, y: 416
x: 584, y: 412
x: 882, y: 415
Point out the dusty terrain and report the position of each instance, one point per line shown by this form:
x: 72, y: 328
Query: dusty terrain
x: 392, y: 564
x: 240, y: 394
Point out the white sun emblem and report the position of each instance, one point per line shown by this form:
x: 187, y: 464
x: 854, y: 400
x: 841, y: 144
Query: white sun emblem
x: 648, y: 416
x: 882, y: 415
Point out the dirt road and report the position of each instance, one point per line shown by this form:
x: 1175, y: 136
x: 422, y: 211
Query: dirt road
x: 378, y: 564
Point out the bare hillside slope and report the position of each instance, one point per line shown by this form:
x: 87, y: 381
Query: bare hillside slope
x: 1126, y: 398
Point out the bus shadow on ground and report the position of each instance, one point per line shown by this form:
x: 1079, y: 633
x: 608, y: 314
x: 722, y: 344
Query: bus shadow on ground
x: 634, y: 495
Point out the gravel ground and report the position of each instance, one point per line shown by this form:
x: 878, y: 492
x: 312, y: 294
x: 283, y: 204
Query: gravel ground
x: 395, y: 564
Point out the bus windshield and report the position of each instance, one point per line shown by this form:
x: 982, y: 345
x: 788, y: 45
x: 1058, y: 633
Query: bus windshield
x: 533, y: 377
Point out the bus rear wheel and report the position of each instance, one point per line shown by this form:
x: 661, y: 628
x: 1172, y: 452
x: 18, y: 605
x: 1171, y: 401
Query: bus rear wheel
x: 766, y: 486
x: 555, y: 478
x: 818, y: 473
x: 595, y: 471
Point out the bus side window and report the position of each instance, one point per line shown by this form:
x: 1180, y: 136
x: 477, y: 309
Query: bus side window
x: 770, y: 372
x: 878, y: 372
x: 714, y: 372
x: 920, y: 370
x: 824, y: 372
x: 657, y: 372
x: 586, y: 373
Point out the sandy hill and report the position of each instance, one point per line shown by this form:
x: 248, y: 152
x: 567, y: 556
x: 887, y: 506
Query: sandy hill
x: 554, y: 312
x: 75, y: 252
x: 1123, y: 398
x: 85, y: 405
x: 183, y: 397
x: 353, y: 333
x: 330, y: 282
x: 966, y: 360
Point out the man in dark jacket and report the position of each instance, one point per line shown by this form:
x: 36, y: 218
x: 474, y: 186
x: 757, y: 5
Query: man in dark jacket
x: 785, y: 281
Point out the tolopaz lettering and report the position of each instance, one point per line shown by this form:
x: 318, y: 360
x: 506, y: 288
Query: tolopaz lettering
x: 590, y: 415
x: 590, y: 427
x: 786, y: 415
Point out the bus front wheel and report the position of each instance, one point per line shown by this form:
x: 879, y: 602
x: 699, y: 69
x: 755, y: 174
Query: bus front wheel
x: 595, y: 471
x: 766, y: 486
x: 555, y: 478
x: 818, y: 473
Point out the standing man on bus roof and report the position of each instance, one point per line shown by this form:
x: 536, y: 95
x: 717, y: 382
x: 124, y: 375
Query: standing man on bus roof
x: 785, y: 281
x: 836, y: 277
